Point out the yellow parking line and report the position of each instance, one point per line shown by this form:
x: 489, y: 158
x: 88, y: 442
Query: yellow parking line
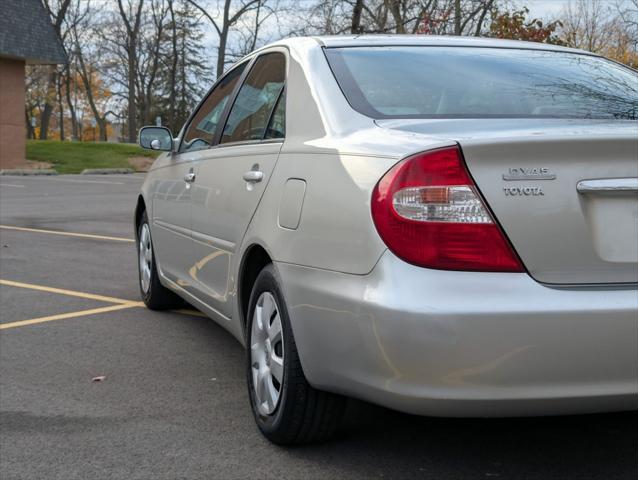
x: 121, y: 304
x: 71, y: 293
x: 68, y: 234
x: 63, y: 316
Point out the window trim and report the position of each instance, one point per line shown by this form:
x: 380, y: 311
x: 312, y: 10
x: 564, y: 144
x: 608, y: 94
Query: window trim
x: 229, y: 105
x: 248, y: 142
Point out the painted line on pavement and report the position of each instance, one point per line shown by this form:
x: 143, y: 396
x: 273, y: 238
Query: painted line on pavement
x: 68, y: 234
x: 64, y: 316
x: 120, y: 304
x: 103, y: 182
x: 70, y: 293
x: 57, y: 178
x: 110, y: 179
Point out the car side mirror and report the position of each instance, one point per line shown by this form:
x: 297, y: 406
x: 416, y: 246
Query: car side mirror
x: 156, y: 138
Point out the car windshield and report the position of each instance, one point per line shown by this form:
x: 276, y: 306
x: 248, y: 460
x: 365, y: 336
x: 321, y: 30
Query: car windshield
x: 471, y: 82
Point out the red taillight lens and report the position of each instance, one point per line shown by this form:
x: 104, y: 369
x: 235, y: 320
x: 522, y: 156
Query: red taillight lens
x: 429, y: 213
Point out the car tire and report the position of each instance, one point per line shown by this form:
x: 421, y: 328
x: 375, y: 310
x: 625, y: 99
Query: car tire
x: 154, y: 294
x: 299, y: 414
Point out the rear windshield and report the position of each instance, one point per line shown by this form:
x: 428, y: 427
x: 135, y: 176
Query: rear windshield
x: 460, y: 82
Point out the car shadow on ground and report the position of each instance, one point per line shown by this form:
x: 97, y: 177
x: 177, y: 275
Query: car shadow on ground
x: 402, y: 446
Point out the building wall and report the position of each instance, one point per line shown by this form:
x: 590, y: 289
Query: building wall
x: 12, y: 119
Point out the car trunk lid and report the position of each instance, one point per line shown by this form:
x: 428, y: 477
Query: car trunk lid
x: 564, y: 191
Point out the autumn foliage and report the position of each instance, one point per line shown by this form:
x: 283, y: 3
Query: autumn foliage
x: 516, y: 26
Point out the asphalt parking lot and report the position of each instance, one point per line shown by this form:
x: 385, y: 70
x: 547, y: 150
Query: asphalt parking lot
x: 173, y: 404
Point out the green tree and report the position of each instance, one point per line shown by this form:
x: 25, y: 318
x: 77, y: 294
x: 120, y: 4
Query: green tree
x: 184, y: 76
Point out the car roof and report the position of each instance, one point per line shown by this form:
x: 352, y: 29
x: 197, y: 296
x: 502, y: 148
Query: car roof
x: 379, y: 40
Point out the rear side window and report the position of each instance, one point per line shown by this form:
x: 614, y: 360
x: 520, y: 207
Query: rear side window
x: 277, y: 126
x: 249, y: 116
x: 201, y: 129
x: 470, y: 82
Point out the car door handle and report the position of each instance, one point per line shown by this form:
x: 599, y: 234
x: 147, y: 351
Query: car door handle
x: 189, y: 177
x: 608, y: 185
x: 253, y: 176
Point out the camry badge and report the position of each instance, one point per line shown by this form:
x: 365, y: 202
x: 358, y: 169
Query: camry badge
x: 522, y: 173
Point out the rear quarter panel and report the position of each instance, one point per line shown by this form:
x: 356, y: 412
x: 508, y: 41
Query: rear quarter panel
x: 335, y: 231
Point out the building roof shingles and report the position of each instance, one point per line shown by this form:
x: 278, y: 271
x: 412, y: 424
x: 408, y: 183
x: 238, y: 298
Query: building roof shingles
x: 26, y: 33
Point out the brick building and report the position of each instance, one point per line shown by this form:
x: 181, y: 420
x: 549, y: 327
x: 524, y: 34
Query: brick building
x: 26, y: 37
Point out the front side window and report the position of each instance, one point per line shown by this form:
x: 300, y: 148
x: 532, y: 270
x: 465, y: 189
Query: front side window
x: 201, y: 129
x: 471, y: 82
x: 256, y: 99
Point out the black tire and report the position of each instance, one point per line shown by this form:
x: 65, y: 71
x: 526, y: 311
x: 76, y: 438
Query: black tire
x: 156, y: 297
x: 303, y: 414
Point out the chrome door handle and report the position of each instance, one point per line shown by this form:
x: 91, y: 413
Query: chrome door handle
x: 253, y: 176
x: 608, y: 185
x: 189, y: 177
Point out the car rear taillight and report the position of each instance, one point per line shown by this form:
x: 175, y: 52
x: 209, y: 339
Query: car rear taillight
x: 429, y: 213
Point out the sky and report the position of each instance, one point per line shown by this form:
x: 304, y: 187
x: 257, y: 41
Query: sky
x: 550, y: 8
x: 544, y: 8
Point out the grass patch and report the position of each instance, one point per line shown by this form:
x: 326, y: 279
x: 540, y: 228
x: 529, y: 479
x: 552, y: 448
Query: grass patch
x: 73, y: 157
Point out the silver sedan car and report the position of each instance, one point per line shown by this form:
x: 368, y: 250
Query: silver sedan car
x: 442, y: 226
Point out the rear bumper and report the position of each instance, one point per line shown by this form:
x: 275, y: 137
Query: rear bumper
x: 464, y: 343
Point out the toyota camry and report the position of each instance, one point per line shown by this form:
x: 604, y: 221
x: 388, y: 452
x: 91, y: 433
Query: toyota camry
x: 443, y: 226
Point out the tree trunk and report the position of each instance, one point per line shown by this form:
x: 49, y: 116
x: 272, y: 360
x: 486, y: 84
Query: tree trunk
x: 223, y: 39
x: 86, y: 75
x: 74, y: 120
x: 221, y: 52
x: 60, y: 107
x: 355, y: 27
x: 30, y: 131
x: 479, y: 24
x: 457, y: 17
x: 132, y: 124
x: 253, y: 43
x: 132, y: 33
x: 101, y: 123
x: 48, y: 108
x: 45, y: 116
x: 57, y: 19
x: 173, y: 73
x: 395, y: 9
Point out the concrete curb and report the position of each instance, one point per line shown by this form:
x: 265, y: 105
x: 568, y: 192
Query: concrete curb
x: 106, y: 171
x: 26, y: 172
